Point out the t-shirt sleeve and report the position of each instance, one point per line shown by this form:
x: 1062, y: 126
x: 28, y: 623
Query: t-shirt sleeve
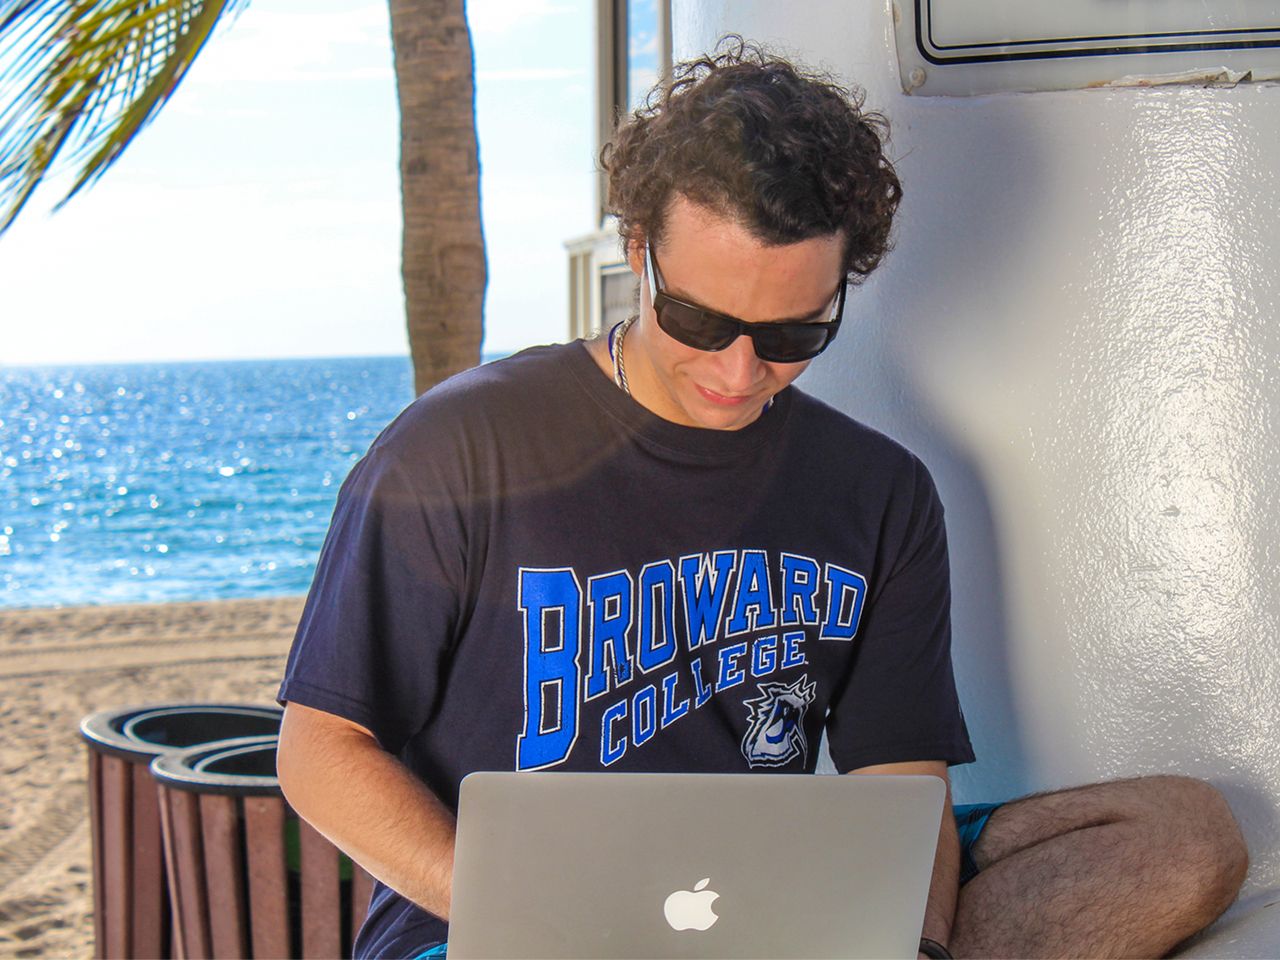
x: 899, y: 701
x: 378, y: 621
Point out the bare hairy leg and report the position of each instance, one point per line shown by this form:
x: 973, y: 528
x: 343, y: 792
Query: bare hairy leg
x: 1123, y: 869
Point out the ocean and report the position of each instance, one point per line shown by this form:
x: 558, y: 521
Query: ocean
x: 140, y: 483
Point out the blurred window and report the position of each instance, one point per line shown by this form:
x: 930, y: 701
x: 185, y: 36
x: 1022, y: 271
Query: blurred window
x: 633, y: 52
x: 643, y: 42
x: 619, y: 295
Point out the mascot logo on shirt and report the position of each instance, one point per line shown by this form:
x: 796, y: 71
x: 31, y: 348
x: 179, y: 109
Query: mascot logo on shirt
x: 776, y: 733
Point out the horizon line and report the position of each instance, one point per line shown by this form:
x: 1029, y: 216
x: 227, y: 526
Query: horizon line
x: 485, y: 356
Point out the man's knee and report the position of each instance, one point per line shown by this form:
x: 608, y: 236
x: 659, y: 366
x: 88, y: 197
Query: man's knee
x: 1193, y: 828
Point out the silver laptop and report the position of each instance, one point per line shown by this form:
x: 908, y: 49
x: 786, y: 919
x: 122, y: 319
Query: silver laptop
x: 561, y: 865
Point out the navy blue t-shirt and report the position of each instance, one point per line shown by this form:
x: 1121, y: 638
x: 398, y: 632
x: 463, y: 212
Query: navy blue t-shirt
x: 531, y: 571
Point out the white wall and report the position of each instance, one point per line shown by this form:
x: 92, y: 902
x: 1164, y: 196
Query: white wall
x: 1077, y: 333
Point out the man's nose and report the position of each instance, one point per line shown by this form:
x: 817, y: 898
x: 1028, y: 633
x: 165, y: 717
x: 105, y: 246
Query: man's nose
x: 739, y: 366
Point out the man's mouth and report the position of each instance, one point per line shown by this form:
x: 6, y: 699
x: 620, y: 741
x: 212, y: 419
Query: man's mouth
x: 722, y: 399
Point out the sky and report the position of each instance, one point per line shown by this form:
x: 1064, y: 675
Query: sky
x: 259, y: 214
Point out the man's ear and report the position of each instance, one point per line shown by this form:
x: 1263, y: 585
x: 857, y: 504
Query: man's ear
x: 635, y: 254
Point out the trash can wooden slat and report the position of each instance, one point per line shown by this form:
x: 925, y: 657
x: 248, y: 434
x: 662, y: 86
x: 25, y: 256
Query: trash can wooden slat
x: 96, y: 839
x: 171, y: 894
x: 117, y: 838
x: 268, y: 876
x: 186, y: 879
x: 321, y: 937
x: 361, y: 893
x: 224, y: 870
x: 148, y: 924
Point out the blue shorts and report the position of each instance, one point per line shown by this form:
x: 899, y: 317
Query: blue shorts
x: 971, y: 818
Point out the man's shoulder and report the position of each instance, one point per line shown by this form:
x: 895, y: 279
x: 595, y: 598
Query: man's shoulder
x: 505, y: 394
x: 867, y: 471
x: 844, y: 438
x: 530, y: 371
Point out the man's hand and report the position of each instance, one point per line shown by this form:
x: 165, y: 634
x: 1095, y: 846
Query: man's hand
x: 338, y: 778
x: 945, y: 886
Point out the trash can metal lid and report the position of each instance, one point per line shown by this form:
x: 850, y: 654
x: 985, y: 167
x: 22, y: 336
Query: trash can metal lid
x: 139, y: 733
x: 243, y: 766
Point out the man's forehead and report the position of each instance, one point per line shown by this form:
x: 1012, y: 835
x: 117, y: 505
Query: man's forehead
x: 718, y: 265
x: 691, y: 219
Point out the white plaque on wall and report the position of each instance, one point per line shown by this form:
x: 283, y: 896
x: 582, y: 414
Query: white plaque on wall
x: 963, y: 47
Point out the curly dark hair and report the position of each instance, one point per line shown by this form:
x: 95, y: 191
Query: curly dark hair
x: 788, y: 154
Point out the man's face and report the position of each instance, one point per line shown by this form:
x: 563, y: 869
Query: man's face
x: 716, y: 263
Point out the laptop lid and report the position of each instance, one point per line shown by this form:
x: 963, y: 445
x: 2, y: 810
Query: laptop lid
x: 567, y: 865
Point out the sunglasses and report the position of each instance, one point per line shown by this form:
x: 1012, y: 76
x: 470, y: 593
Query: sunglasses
x: 704, y: 329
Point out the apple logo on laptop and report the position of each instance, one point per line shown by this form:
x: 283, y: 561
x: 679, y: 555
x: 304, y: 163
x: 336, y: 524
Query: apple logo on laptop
x: 691, y: 909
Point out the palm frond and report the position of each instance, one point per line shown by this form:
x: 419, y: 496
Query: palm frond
x: 79, y: 79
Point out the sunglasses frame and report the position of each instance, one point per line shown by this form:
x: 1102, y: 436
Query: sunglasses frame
x: 659, y: 297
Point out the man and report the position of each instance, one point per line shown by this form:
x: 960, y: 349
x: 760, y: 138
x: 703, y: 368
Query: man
x: 651, y: 552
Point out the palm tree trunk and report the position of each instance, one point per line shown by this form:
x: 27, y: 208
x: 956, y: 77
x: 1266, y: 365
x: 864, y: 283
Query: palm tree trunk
x: 443, y: 261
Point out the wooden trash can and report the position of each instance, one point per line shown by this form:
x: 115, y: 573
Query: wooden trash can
x: 247, y: 876
x: 130, y: 898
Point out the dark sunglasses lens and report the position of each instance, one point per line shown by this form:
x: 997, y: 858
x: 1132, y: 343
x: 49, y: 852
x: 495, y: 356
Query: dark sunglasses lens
x: 790, y: 343
x: 693, y: 327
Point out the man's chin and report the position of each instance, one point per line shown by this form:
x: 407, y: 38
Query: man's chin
x: 718, y: 418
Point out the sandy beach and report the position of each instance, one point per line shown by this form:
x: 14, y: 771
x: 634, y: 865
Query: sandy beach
x: 58, y: 665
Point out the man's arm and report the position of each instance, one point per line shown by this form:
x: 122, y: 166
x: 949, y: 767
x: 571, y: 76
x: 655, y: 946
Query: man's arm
x: 338, y: 778
x: 945, y: 886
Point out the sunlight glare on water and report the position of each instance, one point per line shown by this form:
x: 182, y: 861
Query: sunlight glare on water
x: 153, y: 482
